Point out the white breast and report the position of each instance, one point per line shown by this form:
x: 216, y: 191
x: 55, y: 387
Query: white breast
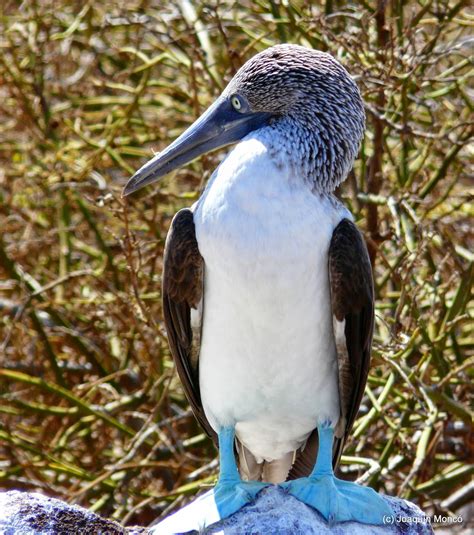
x: 268, y: 360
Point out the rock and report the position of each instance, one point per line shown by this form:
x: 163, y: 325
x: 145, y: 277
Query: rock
x: 30, y: 513
x: 274, y: 511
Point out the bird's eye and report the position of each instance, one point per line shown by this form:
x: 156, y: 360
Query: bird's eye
x: 236, y: 103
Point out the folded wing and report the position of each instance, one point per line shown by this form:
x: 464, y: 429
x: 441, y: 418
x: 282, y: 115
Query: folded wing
x: 183, y: 273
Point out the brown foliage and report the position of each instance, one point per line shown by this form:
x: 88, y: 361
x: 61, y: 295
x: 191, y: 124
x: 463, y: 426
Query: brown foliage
x: 90, y: 409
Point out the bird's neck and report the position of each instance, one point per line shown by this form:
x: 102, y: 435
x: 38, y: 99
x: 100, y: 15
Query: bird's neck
x: 315, y: 156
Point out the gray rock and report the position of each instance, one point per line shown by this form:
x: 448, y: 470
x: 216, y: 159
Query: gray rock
x: 273, y: 512
x: 276, y: 512
x: 30, y: 513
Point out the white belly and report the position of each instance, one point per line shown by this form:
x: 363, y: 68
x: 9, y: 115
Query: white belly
x: 268, y: 359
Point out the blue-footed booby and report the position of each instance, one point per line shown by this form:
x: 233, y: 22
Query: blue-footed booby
x: 267, y: 285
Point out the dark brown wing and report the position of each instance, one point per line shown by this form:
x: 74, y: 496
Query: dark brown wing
x: 183, y: 272
x: 352, y: 298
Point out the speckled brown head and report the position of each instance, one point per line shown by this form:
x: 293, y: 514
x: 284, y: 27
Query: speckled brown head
x: 310, y: 93
x: 305, y: 96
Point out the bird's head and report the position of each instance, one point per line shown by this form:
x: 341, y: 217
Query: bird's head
x: 306, y: 93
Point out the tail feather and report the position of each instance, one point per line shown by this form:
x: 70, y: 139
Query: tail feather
x: 277, y: 471
x: 305, y: 457
x: 271, y: 472
x: 293, y: 465
x: 249, y: 469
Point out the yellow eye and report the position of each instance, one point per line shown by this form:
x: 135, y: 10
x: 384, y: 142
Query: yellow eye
x: 235, y: 101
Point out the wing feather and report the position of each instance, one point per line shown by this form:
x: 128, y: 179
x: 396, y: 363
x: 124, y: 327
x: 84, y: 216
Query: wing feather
x: 183, y: 272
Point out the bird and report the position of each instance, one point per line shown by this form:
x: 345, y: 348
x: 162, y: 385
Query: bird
x: 267, y: 286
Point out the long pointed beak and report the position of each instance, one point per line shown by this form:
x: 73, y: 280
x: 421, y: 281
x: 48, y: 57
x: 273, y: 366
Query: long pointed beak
x: 218, y: 126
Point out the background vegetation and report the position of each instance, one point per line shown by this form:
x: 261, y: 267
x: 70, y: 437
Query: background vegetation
x: 90, y: 408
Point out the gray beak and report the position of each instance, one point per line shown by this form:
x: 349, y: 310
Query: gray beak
x: 220, y: 125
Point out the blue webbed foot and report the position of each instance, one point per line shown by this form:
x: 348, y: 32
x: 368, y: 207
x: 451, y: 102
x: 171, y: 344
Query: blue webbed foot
x: 340, y: 501
x: 230, y: 496
x: 335, y: 499
x: 231, y: 493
